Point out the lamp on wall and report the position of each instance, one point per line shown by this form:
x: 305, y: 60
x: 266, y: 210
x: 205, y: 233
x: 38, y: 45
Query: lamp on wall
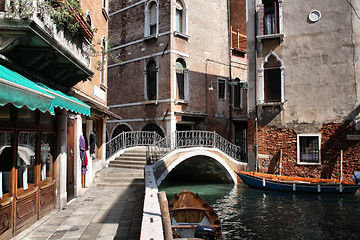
x: 243, y: 85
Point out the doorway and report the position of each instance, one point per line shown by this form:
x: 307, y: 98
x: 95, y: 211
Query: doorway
x: 70, y: 160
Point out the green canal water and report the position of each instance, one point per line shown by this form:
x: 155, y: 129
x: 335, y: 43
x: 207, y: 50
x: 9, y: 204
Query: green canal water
x: 248, y: 213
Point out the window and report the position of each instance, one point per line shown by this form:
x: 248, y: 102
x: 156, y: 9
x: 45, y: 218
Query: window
x: 180, y: 78
x: 26, y: 160
x: 308, y: 148
x: 47, y: 150
x: 88, y: 19
x: 103, y: 61
x: 221, y: 89
x: 271, y: 80
x: 180, y: 17
x: 6, y: 159
x: 238, y: 93
x: 151, y: 19
x: 270, y: 17
x: 2, y: 6
x: 151, y: 80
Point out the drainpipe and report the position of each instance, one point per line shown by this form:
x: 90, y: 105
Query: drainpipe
x: 230, y: 75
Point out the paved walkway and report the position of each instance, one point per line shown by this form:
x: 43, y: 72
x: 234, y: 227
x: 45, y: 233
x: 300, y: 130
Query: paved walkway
x: 100, y: 213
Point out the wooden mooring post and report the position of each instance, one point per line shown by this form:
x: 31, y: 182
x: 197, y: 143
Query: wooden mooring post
x: 165, y: 216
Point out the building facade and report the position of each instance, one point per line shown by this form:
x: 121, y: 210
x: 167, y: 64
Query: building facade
x: 174, y: 62
x: 48, y: 108
x: 303, y: 87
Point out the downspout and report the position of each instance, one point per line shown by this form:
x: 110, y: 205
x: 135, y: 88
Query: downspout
x: 230, y: 75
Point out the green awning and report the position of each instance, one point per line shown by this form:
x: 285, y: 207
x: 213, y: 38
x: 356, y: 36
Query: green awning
x: 20, y: 91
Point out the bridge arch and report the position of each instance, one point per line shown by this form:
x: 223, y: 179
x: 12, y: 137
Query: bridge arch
x: 174, y: 159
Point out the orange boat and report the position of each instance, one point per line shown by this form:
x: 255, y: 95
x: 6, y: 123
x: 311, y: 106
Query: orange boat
x: 192, y: 217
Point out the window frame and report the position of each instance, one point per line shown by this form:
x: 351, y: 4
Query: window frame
x: 148, y: 25
x: 238, y: 87
x: 184, y: 18
x: 261, y: 90
x: 221, y: 82
x: 185, y: 80
x: 146, y: 73
x: 103, y: 61
x: 298, y: 147
x: 278, y: 12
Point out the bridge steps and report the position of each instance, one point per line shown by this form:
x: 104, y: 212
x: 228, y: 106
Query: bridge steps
x: 125, y: 170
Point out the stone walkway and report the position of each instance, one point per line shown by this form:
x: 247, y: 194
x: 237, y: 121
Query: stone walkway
x: 100, y: 213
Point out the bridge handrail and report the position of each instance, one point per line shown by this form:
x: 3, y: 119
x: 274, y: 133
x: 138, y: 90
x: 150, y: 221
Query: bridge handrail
x: 194, y: 138
x: 131, y: 139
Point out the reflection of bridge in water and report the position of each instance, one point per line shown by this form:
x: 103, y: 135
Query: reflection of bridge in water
x: 165, y: 154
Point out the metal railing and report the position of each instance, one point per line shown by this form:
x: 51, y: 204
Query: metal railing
x: 131, y: 139
x: 184, y: 139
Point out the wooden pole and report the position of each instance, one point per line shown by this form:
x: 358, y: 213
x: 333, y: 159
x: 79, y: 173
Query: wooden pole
x: 280, y: 164
x: 341, y: 165
x: 165, y: 216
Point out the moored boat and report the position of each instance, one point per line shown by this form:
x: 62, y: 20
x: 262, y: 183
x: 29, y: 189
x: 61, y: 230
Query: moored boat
x: 297, y: 184
x: 193, y: 217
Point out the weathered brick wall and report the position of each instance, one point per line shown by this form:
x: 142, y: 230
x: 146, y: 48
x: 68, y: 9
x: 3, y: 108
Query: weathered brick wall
x: 333, y: 139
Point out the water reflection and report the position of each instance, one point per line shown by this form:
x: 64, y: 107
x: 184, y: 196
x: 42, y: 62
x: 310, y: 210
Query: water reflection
x: 248, y: 213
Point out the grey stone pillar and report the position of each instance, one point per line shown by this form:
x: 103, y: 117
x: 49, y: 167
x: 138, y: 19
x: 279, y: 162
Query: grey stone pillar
x: 61, y: 161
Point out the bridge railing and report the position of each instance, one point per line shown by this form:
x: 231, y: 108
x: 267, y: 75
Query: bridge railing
x: 131, y: 139
x: 184, y: 139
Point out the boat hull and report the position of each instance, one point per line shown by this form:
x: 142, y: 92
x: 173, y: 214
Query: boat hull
x: 296, y: 186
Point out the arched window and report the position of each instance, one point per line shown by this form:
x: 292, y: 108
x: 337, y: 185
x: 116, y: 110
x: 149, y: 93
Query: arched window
x: 88, y: 19
x: 237, y: 93
x: 272, y: 79
x: 180, y: 17
x: 103, y: 61
x: 151, y: 80
x: 151, y: 19
x: 180, y: 78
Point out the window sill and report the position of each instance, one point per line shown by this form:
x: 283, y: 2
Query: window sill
x: 153, y: 36
x: 309, y: 163
x: 279, y: 36
x: 151, y: 102
x: 181, y: 102
x: 181, y: 35
x: 103, y: 86
x: 271, y: 105
x: 105, y: 14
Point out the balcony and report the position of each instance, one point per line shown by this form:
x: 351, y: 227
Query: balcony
x: 36, y: 46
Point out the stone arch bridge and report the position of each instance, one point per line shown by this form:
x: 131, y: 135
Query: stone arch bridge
x: 212, y: 152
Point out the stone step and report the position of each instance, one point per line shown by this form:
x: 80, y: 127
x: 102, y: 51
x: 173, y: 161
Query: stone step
x: 123, y: 184
x: 118, y: 180
x: 122, y: 165
x: 130, y: 162
x: 125, y: 174
x: 122, y: 157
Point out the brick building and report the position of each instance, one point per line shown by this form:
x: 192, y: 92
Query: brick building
x: 169, y: 54
x: 303, y: 86
x: 51, y: 95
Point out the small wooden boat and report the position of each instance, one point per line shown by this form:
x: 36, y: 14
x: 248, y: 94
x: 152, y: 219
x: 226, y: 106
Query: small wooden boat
x: 192, y: 217
x: 296, y: 184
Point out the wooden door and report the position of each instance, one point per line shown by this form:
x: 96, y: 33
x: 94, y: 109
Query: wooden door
x: 70, y: 160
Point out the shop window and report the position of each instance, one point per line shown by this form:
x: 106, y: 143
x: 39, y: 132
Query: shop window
x: 151, y: 80
x: 6, y: 160
x: 5, y: 113
x: 221, y: 89
x: 26, y: 160
x: 181, y: 78
x: 308, y: 149
x: 151, y: 19
x: 47, y: 119
x: 270, y: 17
x: 272, y: 80
x: 47, y: 157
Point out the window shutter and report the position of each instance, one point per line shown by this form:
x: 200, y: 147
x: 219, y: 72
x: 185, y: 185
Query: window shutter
x: 261, y: 12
